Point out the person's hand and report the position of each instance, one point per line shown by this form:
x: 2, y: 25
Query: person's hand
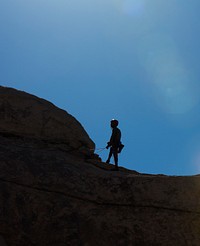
x: 108, y: 145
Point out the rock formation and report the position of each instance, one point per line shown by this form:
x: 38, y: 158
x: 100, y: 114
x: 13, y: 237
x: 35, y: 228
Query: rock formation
x: 51, y: 194
x: 29, y: 116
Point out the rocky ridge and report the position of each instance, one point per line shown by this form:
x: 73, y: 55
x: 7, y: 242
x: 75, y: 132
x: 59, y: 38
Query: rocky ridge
x: 26, y: 115
x: 52, y: 194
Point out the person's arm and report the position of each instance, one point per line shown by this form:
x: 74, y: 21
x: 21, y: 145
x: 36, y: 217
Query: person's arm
x: 116, y: 136
x: 111, y: 139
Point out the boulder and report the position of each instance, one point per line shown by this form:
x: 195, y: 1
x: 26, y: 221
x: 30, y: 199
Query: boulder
x: 27, y: 115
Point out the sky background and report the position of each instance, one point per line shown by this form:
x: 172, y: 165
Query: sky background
x: 133, y: 60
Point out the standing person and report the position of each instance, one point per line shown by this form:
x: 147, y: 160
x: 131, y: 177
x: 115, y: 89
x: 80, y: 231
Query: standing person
x: 115, y: 143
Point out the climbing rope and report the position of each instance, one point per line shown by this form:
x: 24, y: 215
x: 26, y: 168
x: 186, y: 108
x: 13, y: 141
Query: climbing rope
x: 98, y: 150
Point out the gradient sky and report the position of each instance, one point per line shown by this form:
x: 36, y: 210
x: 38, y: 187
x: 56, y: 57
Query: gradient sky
x: 133, y: 60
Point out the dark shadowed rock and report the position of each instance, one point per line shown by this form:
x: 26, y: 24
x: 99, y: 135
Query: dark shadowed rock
x: 27, y: 115
x: 52, y: 196
x: 2, y: 241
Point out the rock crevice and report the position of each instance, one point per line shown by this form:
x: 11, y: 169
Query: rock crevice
x: 100, y: 203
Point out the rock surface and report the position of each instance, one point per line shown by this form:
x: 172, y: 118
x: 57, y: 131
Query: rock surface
x: 51, y: 196
x: 27, y: 115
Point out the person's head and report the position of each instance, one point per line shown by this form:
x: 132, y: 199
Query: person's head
x: 114, y: 123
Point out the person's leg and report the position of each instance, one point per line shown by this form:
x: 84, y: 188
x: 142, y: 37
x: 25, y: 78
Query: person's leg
x: 110, y: 155
x: 115, y: 154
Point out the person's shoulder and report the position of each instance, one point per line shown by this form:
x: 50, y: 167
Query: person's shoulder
x: 117, y: 129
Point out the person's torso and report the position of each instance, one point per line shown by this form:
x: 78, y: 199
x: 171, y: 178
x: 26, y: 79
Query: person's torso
x: 116, y: 137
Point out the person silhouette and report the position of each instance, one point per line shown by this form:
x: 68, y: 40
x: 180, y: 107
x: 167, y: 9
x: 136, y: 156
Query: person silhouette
x: 114, y: 144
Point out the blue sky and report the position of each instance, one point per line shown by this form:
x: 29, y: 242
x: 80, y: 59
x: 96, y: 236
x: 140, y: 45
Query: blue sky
x: 134, y: 60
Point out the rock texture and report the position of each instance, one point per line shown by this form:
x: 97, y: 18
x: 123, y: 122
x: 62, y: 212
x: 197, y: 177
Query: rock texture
x: 29, y: 116
x: 52, y: 196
